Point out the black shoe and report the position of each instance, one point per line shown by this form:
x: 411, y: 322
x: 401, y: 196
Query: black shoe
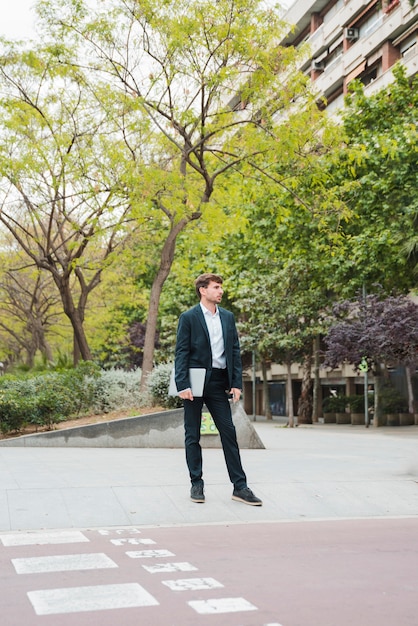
x: 246, y: 495
x: 196, y: 493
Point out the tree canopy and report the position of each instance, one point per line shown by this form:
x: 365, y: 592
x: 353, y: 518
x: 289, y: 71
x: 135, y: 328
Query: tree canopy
x: 380, y: 157
x: 142, y: 140
x: 208, y: 78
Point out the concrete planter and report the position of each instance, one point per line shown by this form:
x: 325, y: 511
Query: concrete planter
x: 156, y: 430
x: 416, y: 419
x: 329, y: 418
x: 383, y: 420
x: 406, y: 419
x: 357, y: 419
x: 392, y: 419
x: 343, y: 418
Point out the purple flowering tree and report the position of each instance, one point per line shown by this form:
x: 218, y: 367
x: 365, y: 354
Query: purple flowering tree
x: 381, y: 331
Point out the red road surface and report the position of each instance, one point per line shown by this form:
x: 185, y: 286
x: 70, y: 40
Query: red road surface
x: 326, y: 573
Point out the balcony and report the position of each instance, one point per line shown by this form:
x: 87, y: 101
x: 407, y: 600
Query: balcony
x: 331, y: 78
x: 382, y: 30
x: 410, y: 61
x: 386, y: 29
x: 299, y: 15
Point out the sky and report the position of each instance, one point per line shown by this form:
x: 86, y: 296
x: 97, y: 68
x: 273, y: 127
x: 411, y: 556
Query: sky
x: 17, y: 22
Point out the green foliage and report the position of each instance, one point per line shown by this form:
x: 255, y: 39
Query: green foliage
x: 17, y: 405
x: 116, y: 389
x: 392, y: 401
x: 46, y: 399
x: 335, y: 404
x: 55, y: 400
x: 158, y: 383
x: 200, y: 87
x: 43, y: 399
x: 356, y: 403
x: 280, y: 309
x: 380, y: 157
x: 339, y: 204
x: 82, y: 382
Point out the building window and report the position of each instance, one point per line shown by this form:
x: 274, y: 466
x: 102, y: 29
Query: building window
x: 372, y: 23
x: 409, y: 47
x: 370, y: 74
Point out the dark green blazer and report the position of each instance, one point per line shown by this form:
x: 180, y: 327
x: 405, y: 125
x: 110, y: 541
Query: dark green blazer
x: 193, y: 347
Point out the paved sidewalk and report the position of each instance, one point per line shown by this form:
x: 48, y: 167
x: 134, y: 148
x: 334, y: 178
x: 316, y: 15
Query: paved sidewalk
x: 321, y: 472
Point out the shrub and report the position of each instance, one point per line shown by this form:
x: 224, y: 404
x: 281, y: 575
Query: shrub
x: 335, y: 404
x: 158, y: 384
x: 82, y: 381
x: 55, y: 400
x: 17, y: 404
x: 356, y: 403
x: 393, y: 401
x: 116, y: 389
x: 46, y: 399
x: 11, y: 416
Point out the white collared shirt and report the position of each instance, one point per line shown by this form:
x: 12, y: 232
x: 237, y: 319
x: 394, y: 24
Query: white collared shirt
x: 213, y: 322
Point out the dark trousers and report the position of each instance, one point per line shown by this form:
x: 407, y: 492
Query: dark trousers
x: 216, y: 400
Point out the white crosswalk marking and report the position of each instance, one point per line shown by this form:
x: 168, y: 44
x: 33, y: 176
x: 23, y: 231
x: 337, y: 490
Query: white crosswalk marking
x: 149, y: 554
x: 169, y: 567
x: 43, y: 538
x: 62, y: 563
x: 192, y: 584
x: 102, y: 597
x: 132, y: 541
x: 96, y: 598
x: 222, y: 605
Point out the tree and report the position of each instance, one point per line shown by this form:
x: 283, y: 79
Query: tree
x: 376, y: 331
x: 28, y: 310
x: 280, y: 310
x: 58, y: 179
x: 380, y: 158
x: 289, y: 234
x: 206, y: 75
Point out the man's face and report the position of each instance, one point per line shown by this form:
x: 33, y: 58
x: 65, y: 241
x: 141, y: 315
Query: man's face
x: 212, y: 293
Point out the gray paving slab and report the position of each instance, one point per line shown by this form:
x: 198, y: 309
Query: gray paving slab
x: 307, y: 473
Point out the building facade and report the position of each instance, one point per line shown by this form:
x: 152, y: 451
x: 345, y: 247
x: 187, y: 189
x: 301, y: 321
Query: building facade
x: 350, y: 39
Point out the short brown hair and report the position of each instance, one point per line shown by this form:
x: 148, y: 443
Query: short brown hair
x: 203, y: 281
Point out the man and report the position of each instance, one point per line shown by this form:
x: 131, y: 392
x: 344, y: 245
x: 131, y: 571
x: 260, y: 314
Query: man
x: 207, y: 338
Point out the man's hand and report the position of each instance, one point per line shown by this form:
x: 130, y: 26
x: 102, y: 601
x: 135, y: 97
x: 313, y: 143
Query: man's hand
x: 236, y: 394
x: 186, y: 394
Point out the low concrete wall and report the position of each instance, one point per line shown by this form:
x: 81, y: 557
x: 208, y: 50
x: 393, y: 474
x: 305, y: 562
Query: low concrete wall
x: 156, y: 430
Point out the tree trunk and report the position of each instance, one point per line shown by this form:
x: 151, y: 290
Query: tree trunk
x: 166, y: 261
x: 30, y: 356
x: 305, y: 400
x: 411, y: 399
x: 76, y: 317
x: 46, y: 351
x: 76, y: 351
x: 378, y: 383
x: 266, y: 391
x: 317, y: 381
x: 289, y: 396
x: 41, y: 340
